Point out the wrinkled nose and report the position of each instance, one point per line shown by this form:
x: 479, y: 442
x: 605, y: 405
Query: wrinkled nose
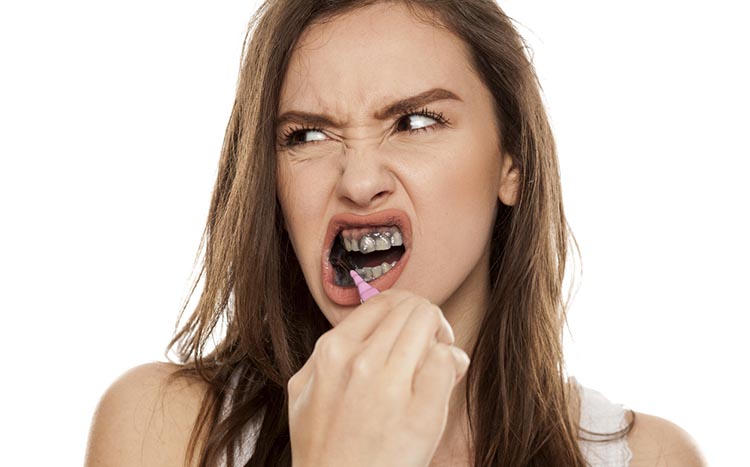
x: 365, y: 180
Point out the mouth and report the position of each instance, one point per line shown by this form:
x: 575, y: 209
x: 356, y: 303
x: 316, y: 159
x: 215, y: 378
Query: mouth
x: 376, y: 246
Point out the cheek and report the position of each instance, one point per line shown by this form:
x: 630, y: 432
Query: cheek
x: 470, y: 180
x: 461, y: 215
x: 290, y: 185
x: 283, y: 194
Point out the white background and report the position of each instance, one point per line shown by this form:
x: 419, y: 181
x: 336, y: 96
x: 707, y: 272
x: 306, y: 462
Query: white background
x: 111, y: 121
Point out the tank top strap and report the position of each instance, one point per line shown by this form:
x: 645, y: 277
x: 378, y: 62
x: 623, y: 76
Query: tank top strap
x: 242, y: 452
x: 600, y: 415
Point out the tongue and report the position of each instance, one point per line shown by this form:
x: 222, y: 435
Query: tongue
x: 376, y: 258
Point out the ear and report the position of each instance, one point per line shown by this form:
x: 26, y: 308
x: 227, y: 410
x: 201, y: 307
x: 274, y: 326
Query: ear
x: 510, y: 180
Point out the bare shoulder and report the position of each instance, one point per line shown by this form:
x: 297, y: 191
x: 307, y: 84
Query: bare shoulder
x: 144, y: 419
x: 655, y: 441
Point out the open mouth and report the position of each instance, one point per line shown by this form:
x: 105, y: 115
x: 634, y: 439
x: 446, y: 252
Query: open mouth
x: 372, y: 252
x: 377, y: 246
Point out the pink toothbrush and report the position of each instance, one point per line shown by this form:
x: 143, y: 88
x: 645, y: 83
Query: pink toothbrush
x: 365, y: 290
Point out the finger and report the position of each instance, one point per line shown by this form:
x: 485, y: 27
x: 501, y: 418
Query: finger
x: 431, y: 324
x: 424, y: 327
x: 434, y: 382
x: 378, y: 346
x: 298, y: 381
x: 329, y: 359
x: 331, y: 355
x: 363, y: 320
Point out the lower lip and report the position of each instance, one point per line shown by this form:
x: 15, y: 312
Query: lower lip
x: 348, y: 296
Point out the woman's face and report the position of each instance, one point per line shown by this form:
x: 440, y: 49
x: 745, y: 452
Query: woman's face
x: 405, y: 144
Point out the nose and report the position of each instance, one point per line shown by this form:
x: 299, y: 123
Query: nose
x: 365, y: 180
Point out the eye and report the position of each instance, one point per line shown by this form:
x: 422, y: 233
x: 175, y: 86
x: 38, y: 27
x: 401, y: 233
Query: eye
x: 420, y: 121
x: 416, y: 120
x: 299, y: 136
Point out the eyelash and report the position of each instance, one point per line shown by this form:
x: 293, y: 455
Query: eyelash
x: 285, y: 140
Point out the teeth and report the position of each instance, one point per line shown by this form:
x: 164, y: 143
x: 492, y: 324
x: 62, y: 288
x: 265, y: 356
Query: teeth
x: 374, y: 241
x: 367, y: 244
x: 381, y: 243
x: 370, y: 274
x: 396, y: 239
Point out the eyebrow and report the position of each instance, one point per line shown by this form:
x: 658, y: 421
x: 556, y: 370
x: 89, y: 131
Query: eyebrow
x: 394, y: 109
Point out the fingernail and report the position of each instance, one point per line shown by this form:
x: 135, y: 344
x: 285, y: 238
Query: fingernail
x: 450, y: 330
x: 462, y: 360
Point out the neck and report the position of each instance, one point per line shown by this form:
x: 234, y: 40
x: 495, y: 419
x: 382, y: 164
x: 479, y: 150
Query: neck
x: 464, y: 311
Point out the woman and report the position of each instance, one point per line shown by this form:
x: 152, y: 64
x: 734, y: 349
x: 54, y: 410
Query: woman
x: 405, y: 140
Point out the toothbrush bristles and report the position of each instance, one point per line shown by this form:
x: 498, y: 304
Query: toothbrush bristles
x: 342, y: 260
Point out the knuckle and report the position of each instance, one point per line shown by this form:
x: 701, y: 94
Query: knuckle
x: 329, y: 349
x: 291, y: 385
x: 435, y: 315
x: 325, y: 342
x: 361, y: 366
x: 420, y: 302
x: 430, y: 315
x: 392, y: 392
x: 412, y: 304
x: 422, y: 314
x: 443, y: 352
x: 405, y: 309
x: 320, y: 344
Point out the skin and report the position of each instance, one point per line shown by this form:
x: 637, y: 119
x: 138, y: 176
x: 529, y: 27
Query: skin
x: 444, y: 177
x: 440, y: 178
x: 141, y: 421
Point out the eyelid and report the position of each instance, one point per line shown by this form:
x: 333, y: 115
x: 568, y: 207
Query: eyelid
x: 425, y: 112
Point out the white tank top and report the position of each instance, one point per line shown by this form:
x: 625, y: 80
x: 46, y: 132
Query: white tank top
x: 598, y: 415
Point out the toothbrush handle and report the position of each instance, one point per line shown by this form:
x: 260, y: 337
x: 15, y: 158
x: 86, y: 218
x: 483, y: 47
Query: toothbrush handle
x: 366, y: 291
x: 369, y: 293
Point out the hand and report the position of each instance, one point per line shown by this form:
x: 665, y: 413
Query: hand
x: 376, y: 389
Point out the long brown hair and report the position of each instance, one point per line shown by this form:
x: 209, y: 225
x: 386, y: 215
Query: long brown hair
x: 255, y: 298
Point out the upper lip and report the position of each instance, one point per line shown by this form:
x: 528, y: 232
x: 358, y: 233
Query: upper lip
x: 343, y: 221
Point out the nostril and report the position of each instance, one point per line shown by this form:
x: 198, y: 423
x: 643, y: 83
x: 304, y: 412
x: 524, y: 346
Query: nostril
x: 369, y: 201
x: 382, y: 194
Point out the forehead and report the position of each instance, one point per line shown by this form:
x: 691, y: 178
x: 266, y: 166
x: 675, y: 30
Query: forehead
x: 379, y: 52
